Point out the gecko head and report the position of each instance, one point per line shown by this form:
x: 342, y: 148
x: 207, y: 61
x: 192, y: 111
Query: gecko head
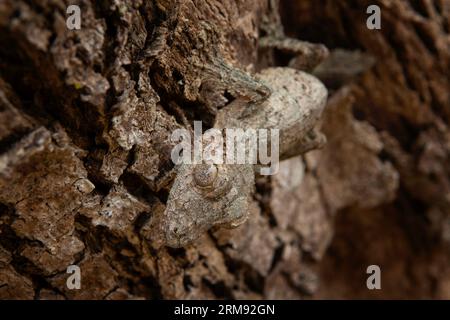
x: 204, y: 196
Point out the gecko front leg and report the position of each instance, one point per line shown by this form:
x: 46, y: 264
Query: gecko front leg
x: 223, y: 80
x: 313, y: 140
x: 307, y: 55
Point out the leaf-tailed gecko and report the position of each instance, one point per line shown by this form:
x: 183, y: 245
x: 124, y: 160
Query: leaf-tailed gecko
x: 208, y: 195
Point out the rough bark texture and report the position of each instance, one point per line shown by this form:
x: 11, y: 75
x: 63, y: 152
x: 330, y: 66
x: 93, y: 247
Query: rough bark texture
x: 85, y: 165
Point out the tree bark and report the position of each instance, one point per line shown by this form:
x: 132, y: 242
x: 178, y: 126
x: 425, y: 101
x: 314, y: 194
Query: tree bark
x: 85, y: 166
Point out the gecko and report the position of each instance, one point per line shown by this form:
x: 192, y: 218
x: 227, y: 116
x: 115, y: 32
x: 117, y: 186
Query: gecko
x: 208, y: 195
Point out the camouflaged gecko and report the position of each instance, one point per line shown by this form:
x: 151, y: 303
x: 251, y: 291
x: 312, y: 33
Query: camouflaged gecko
x: 208, y: 195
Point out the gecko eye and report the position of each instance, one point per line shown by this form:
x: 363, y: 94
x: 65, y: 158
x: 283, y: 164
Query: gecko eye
x: 205, y: 175
x: 211, y: 181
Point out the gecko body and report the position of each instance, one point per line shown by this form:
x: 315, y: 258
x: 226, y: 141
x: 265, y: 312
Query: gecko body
x: 207, y: 195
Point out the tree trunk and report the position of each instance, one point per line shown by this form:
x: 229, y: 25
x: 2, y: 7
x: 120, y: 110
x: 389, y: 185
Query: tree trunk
x: 85, y: 167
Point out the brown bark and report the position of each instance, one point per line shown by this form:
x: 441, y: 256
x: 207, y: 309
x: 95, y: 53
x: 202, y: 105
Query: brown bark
x: 85, y: 165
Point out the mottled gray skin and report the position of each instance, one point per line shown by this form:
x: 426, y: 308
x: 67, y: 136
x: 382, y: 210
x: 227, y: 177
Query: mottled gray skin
x: 192, y: 210
x: 208, y: 195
